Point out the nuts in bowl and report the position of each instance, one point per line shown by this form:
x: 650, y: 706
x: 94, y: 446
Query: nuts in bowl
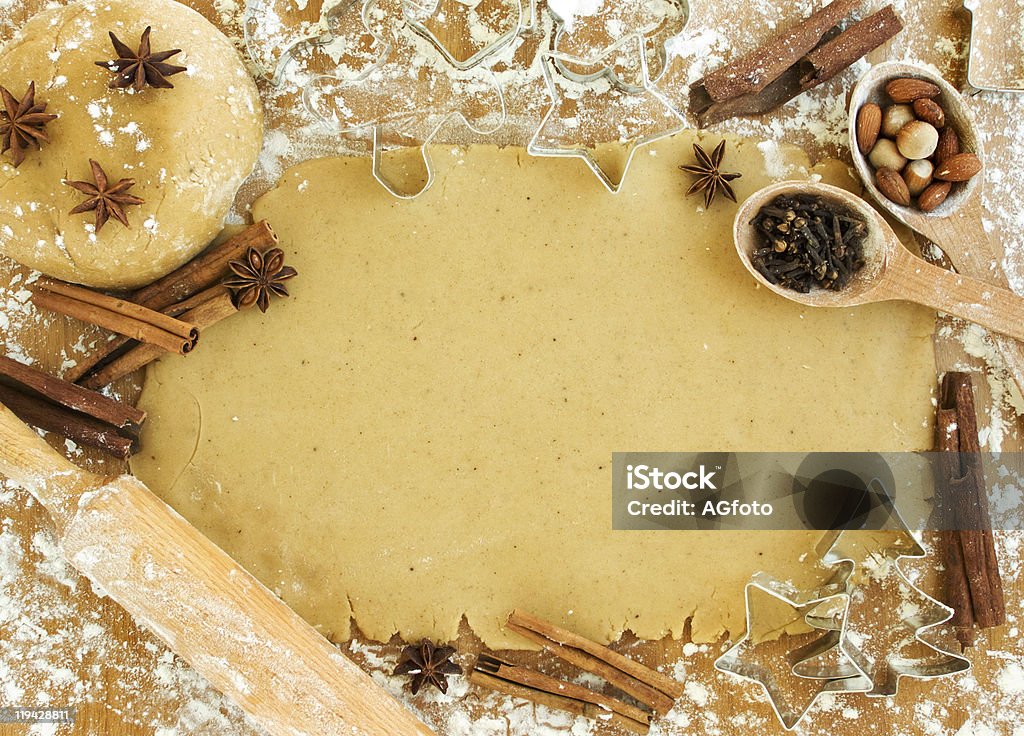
x: 912, y: 147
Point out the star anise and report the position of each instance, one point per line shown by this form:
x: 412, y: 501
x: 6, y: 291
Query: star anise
x: 137, y: 68
x: 258, y: 276
x: 107, y: 201
x: 22, y: 122
x: 428, y: 664
x: 711, y: 180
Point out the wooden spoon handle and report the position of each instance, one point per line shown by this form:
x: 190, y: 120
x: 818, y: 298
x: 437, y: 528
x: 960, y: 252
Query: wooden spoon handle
x: 975, y: 252
x: 998, y: 309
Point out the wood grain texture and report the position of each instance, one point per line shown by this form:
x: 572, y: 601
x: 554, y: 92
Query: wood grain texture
x: 120, y: 704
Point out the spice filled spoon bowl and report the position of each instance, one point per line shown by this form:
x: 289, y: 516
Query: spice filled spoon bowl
x: 957, y: 224
x: 959, y: 214
x: 889, y: 271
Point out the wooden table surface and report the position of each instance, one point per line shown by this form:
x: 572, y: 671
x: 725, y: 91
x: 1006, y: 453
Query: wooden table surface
x: 87, y: 653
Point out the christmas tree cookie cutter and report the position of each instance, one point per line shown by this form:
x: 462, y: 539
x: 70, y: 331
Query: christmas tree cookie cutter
x: 921, y: 612
x: 790, y: 694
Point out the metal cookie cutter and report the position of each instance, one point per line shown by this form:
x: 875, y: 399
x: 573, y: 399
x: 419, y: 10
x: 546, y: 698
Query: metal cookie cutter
x: 610, y: 44
x: 883, y: 654
x: 384, y: 100
x: 419, y: 16
x: 560, y: 135
x: 791, y: 695
x: 975, y: 83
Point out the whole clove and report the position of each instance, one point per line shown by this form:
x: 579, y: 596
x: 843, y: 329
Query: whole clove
x: 808, y: 242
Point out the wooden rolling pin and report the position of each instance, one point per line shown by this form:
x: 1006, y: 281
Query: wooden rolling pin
x: 199, y: 601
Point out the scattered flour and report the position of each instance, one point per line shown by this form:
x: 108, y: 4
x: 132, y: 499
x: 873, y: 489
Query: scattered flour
x: 56, y: 639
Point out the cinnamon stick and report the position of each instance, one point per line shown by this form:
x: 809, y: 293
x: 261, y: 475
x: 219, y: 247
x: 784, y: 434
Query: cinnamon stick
x: 116, y: 315
x: 539, y: 681
x: 121, y: 306
x: 651, y: 688
x: 556, y: 702
x: 77, y: 427
x: 206, y: 270
x: 837, y: 52
x: 197, y: 275
x: 103, y: 408
x: 973, y: 586
x: 758, y: 68
x: 209, y: 308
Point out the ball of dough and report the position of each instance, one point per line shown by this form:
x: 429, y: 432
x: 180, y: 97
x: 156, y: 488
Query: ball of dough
x: 188, y: 148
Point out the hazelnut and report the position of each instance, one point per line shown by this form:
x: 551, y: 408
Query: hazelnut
x: 885, y: 155
x: 917, y: 140
x: 918, y: 175
x: 895, y: 117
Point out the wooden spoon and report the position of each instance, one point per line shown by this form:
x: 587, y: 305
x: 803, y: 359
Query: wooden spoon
x: 957, y: 225
x: 891, y: 272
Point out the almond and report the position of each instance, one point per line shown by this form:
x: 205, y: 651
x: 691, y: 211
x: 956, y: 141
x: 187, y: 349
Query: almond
x: 960, y: 167
x: 933, y: 196
x: 908, y: 89
x: 949, y: 145
x: 869, y: 124
x: 930, y: 112
x: 892, y: 186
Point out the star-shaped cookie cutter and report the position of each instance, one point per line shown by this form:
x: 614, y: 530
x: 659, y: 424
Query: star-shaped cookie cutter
x: 779, y: 682
x: 839, y: 549
x: 555, y: 137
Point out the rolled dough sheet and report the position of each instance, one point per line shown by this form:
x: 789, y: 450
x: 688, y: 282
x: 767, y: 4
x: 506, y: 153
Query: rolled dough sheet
x: 425, y: 429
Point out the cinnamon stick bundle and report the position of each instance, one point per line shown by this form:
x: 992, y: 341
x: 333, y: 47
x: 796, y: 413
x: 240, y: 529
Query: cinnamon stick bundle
x: 834, y: 52
x: 55, y: 405
x: 194, y: 277
x: 80, y: 428
x: 973, y: 586
x: 541, y: 683
x: 557, y: 697
x: 117, y: 315
x: 655, y: 690
x: 203, y: 310
x: 758, y: 68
